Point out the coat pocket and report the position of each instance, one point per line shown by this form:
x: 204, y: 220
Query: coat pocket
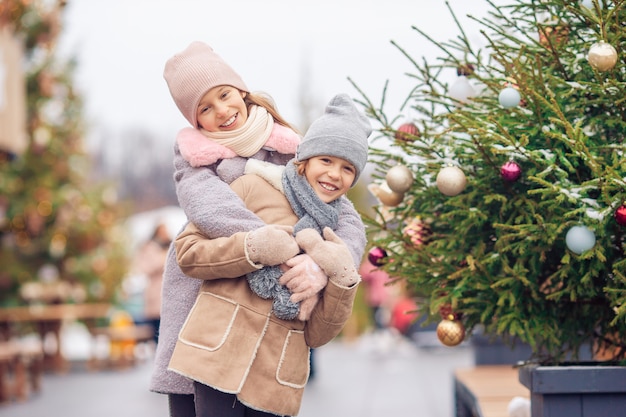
x: 209, y: 322
x: 293, y: 369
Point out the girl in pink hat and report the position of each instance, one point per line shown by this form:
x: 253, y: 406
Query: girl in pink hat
x: 229, y: 126
x: 239, y: 341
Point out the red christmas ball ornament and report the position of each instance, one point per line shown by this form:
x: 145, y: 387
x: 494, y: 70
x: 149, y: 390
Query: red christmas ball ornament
x: 445, y: 311
x: 510, y: 171
x: 467, y: 69
x: 407, y: 132
x: 620, y: 215
x: 377, y: 256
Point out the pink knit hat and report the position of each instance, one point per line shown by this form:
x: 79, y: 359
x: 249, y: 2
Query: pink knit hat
x: 194, y: 71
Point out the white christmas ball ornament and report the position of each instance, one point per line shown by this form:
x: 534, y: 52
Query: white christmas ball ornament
x: 399, y: 178
x: 589, y: 4
x: 579, y: 239
x: 509, y: 97
x: 451, y: 181
x: 519, y: 407
x: 602, y: 56
x: 461, y: 90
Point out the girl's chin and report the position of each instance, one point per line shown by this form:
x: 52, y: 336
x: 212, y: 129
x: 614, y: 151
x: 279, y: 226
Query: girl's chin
x: 326, y: 197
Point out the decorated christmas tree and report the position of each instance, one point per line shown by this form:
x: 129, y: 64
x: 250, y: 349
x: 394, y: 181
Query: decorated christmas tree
x: 58, y: 242
x: 502, y: 196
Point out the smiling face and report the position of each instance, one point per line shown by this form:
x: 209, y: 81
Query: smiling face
x: 222, y: 109
x: 330, y: 177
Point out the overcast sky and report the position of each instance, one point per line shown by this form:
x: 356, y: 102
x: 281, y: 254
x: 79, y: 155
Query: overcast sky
x: 122, y: 46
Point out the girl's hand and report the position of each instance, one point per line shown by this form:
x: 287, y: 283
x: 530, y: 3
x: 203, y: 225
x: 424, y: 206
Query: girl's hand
x: 331, y: 254
x: 303, y: 277
x: 270, y: 245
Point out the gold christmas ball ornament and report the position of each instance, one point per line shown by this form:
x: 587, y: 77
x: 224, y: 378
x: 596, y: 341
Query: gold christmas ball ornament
x: 450, y: 332
x: 451, y: 181
x: 386, y: 195
x: 602, y: 56
x: 399, y: 179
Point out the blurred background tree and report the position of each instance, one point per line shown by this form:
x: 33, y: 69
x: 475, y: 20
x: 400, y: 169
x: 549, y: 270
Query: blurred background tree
x: 60, y: 239
x: 502, y: 195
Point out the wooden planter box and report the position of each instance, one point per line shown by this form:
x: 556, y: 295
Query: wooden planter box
x: 493, y: 351
x: 490, y: 350
x: 585, y: 390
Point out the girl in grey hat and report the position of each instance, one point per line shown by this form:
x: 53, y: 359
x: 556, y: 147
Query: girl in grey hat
x: 207, y: 158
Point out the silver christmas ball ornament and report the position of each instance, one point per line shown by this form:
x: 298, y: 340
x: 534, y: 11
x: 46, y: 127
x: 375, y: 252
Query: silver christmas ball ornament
x: 451, y: 181
x: 602, y: 56
x: 399, y: 178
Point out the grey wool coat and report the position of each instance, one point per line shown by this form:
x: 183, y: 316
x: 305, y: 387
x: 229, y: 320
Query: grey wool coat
x: 204, y: 193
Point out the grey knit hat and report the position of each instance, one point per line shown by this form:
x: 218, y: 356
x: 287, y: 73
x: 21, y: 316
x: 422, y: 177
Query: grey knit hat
x: 194, y: 71
x: 342, y: 131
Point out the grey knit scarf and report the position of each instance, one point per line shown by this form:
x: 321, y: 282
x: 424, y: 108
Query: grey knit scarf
x: 312, y: 213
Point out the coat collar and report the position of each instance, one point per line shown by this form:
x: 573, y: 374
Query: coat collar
x: 199, y: 150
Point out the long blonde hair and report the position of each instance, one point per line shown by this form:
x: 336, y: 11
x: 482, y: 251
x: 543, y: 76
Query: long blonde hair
x: 266, y: 101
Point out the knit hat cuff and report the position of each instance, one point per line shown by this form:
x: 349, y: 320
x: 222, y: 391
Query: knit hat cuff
x: 342, y: 131
x: 191, y: 73
x: 337, y: 146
